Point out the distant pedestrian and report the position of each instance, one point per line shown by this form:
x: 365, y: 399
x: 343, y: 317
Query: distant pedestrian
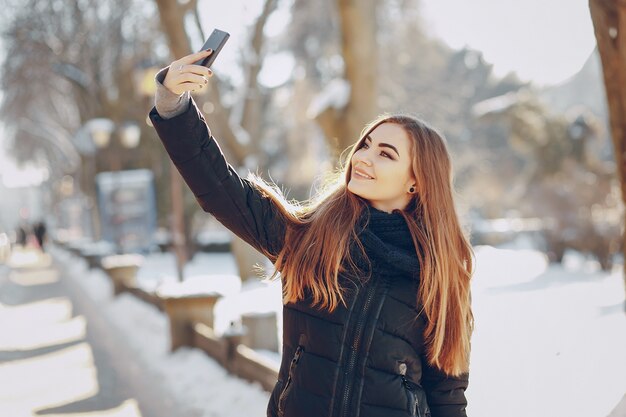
x: 375, y: 272
x: 39, y: 229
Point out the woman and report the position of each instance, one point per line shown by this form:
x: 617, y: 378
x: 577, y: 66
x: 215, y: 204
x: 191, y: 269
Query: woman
x: 375, y: 271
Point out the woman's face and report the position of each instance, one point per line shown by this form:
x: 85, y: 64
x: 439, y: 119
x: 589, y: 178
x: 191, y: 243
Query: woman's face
x: 385, y: 157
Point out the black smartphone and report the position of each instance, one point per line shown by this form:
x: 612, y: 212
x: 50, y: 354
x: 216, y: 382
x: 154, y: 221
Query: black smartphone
x: 215, y: 42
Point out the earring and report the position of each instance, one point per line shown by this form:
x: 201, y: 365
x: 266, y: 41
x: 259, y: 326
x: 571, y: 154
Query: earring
x: 412, y: 190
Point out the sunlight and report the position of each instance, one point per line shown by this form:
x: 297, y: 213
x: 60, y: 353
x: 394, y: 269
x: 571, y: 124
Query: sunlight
x: 40, y: 336
x: 21, y: 258
x: 31, y: 278
x: 40, y: 324
x: 50, y: 380
x: 29, y: 258
x: 41, y: 313
x: 49, y: 335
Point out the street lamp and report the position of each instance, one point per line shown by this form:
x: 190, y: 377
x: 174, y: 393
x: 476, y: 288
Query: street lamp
x: 130, y: 134
x: 100, y: 130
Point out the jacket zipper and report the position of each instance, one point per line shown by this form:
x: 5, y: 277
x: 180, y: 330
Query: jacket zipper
x: 355, y: 349
x: 413, y: 401
x: 292, y: 367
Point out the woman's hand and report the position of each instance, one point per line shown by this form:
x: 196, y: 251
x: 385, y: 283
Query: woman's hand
x: 184, y: 76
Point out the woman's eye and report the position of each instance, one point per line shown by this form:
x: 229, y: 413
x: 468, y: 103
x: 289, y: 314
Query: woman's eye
x: 386, y: 155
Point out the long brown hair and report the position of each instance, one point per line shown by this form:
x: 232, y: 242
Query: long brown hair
x: 320, y: 231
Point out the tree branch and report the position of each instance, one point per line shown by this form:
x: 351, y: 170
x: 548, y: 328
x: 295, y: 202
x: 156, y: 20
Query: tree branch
x: 193, y: 4
x: 250, y: 115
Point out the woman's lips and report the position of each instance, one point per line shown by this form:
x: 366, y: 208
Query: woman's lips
x: 357, y: 175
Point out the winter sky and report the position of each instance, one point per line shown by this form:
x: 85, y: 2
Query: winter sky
x: 544, y: 41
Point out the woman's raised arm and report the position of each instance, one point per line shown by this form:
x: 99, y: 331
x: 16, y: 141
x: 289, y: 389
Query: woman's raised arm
x: 233, y: 200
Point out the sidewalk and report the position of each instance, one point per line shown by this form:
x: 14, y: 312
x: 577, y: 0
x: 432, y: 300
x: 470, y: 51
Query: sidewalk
x: 57, y: 357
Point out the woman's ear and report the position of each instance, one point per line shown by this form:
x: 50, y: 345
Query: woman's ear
x: 412, y: 183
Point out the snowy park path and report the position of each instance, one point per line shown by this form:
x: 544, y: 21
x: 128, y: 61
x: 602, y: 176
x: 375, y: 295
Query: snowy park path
x: 59, y: 357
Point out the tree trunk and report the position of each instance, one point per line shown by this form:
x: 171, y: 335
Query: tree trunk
x: 359, y: 49
x: 172, y: 21
x: 609, y: 22
x: 252, y: 112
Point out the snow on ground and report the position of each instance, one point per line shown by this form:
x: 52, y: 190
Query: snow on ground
x: 548, y: 341
x: 194, y: 379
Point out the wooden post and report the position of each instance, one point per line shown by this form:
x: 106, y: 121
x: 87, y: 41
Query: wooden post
x: 261, y: 331
x: 186, y: 310
x: 122, y: 270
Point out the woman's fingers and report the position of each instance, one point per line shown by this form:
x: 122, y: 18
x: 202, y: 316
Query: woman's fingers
x: 186, y: 78
x: 183, y: 75
x: 187, y: 86
x: 192, y: 78
x: 193, y: 69
x: 185, y: 64
x: 183, y: 86
x: 191, y: 58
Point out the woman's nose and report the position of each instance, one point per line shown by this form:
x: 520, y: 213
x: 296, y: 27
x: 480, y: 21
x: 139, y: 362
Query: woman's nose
x: 363, y: 157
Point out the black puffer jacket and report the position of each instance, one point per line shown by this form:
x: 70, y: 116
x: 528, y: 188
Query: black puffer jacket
x: 365, y: 360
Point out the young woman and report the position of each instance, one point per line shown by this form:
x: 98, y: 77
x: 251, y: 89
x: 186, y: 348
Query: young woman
x: 375, y: 271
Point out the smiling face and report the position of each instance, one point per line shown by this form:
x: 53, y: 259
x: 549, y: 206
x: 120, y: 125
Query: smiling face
x: 385, y: 158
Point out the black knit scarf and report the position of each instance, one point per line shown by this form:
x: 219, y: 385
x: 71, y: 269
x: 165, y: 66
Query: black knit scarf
x: 387, y: 241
